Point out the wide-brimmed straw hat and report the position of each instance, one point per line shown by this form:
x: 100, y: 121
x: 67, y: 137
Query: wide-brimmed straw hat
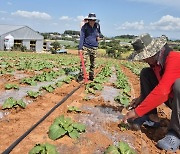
x: 145, y: 46
x: 91, y: 16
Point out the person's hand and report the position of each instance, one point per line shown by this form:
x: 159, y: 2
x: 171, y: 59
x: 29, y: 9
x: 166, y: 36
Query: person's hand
x: 134, y: 103
x: 98, y: 38
x: 130, y: 115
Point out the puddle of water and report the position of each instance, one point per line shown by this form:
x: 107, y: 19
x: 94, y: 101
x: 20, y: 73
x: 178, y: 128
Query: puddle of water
x: 101, y: 115
x: 113, y: 78
x: 96, y: 120
x: 2, y: 80
x: 22, y: 92
x: 98, y: 116
x: 1, y: 115
x: 109, y: 93
x: 74, y: 73
x: 109, y: 111
x: 19, y: 75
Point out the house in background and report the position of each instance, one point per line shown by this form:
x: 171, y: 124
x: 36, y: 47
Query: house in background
x: 22, y: 36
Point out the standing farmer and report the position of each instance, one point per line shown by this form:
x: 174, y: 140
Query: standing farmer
x: 88, y: 44
x: 160, y: 83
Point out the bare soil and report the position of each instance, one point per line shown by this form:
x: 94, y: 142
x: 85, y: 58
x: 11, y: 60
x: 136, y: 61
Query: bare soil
x: 101, y: 117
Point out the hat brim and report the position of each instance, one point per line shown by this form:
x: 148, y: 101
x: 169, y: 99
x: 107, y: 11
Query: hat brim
x: 154, y: 47
x: 86, y: 18
x: 91, y: 18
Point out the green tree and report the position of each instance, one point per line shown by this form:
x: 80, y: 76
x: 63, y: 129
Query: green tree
x: 55, y: 46
x: 111, y: 52
x: 45, y: 35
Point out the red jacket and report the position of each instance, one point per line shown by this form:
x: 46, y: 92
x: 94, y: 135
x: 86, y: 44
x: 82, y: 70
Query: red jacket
x: 162, y: 91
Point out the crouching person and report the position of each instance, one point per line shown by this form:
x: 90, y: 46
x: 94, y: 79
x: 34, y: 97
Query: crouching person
x: 160, y: 83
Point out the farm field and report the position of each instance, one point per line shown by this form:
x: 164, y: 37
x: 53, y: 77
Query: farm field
x: 35, y: 83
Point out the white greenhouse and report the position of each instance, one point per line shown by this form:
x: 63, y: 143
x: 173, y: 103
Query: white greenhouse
x: 12, y: 36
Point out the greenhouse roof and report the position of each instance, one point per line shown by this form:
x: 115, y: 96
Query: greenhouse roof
x: 8, y: 28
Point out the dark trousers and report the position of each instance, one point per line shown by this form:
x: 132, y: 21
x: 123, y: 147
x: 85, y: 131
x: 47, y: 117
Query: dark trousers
x: 148, y: 82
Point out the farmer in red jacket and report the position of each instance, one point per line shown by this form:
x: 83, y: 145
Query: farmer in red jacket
x: 160, y: 83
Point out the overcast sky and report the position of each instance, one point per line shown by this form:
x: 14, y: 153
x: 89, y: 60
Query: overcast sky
x: 117, y: 17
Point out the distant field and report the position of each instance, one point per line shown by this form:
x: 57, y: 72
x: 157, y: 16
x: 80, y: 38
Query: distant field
x: 65, y: 42
x: 100, y: 52
x: 125, y: 40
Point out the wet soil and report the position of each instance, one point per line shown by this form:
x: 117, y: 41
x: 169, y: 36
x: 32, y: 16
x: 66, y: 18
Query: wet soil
x: 100, y: 114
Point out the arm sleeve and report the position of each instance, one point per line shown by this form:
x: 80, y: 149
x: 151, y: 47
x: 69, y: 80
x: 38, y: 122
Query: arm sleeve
x: 82, y: 37
x: 99, y: 31
x: 161, y: 92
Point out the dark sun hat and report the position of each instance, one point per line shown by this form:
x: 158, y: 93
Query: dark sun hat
x: 145, y: 46
x: 91, y: 16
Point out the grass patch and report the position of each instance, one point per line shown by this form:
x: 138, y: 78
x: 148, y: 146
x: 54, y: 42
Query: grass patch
x: 101, y: 51
x: 126, y: 54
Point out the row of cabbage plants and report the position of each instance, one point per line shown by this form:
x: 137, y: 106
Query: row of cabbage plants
x: 135, y: 67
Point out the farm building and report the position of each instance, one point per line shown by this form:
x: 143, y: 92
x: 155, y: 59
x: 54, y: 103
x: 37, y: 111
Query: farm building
x: 18, y: 36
